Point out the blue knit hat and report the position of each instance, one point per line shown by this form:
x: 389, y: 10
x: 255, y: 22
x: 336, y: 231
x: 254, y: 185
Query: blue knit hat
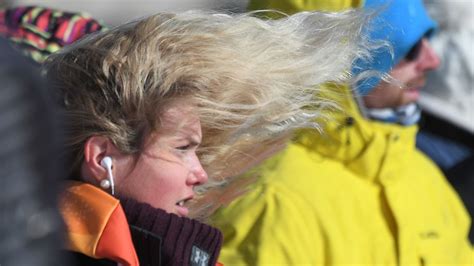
x: 402, y: 23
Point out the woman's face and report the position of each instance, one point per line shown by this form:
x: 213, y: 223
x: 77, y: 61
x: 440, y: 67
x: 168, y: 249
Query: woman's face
x: 166, y: 171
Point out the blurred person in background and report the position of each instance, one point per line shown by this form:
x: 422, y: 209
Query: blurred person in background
x: 360, y: 192
x: 30, y: 167
x: 139, y: 99
x: 38, y: 32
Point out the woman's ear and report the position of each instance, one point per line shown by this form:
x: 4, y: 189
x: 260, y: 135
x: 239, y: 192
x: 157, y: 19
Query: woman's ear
x: 95, y: 149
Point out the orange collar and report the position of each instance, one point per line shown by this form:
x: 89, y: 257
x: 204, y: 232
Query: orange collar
x: 96, y: 224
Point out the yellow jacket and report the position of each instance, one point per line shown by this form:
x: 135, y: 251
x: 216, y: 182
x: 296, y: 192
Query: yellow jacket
x: 359, y: 194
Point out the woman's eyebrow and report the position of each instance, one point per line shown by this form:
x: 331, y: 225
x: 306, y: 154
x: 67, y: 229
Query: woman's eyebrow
x: 194, y: 139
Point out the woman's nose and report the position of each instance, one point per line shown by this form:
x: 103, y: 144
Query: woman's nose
x: 199, y: 175
x: 202, y: 176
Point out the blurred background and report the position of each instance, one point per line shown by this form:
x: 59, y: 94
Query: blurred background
x: 114, y: 12
x: 449, y: 92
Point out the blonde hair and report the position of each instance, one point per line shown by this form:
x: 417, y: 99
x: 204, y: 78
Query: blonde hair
x: 253, y: 80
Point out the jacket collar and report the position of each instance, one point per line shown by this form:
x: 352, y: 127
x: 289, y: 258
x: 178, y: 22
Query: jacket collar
x: 97, y: 226
x: 163, y: 238
x: 347, y: 136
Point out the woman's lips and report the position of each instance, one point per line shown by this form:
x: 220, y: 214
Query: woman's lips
x: 181, y: 210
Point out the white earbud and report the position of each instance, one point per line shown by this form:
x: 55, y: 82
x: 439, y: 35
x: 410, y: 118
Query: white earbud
x: 107, y: 183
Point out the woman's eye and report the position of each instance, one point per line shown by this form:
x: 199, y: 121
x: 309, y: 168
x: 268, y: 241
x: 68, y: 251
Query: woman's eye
x: 184, y: 147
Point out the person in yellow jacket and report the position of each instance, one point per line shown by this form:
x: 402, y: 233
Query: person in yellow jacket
x: 360, y: 193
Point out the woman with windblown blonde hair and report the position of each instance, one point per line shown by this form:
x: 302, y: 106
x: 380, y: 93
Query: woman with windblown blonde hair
x: 142, y: 100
